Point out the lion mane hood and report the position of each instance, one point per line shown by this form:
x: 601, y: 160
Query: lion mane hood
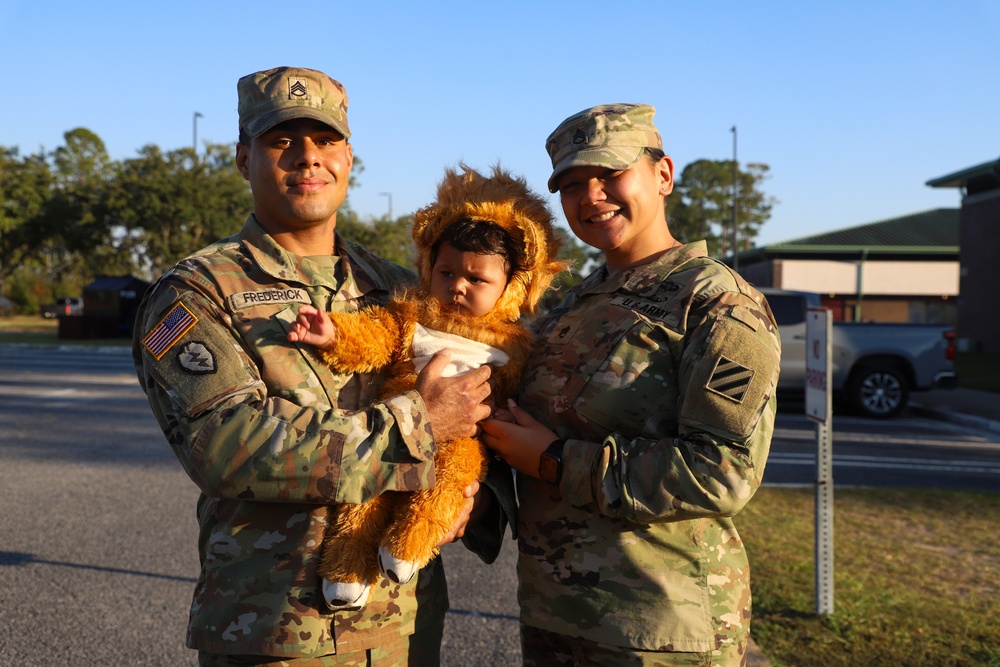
x: 504, y: 200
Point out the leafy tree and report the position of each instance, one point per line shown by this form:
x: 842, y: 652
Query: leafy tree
x: 162, y: 206
x: 77, y: 227
x: 55, y: 196
x: 389, y: 239
x: 701, y: 206
x: 25, y: 192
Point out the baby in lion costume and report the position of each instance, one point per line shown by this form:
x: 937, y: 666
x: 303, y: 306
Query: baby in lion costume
x: 485, y: 255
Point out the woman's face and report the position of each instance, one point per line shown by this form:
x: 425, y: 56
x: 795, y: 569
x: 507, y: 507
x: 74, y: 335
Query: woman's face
x: 619, y: 212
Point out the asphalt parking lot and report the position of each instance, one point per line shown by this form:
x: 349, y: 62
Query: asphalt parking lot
x: 98, y: 560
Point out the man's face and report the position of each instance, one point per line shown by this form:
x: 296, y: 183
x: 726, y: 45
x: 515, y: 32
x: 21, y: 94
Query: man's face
x: 298, y: 172
x: 467, y: 280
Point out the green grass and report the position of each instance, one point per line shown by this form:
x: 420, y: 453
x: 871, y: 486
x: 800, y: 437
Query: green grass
x: 28, y: 324
x: 978, y: 370
x: 36, y: 330
x: 916, y: 578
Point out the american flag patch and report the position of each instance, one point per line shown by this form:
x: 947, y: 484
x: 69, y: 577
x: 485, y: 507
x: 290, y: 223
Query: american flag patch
x: 174, y: 324
x: 730, y: 379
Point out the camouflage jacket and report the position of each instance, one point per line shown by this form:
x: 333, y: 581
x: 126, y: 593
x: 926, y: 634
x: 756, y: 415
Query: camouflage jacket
x: 271, y: 436
x: 661, y: 380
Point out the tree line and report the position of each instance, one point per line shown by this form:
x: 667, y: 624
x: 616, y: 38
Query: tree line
x: 71, y: 214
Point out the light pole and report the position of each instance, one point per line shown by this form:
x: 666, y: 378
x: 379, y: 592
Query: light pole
x: 389, y: 195
x: 194, y: 134
x: 736, y: 203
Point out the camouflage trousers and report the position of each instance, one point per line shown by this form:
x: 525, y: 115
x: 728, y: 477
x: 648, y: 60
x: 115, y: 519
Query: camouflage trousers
x: 540, y: 648
x: 421, y: 649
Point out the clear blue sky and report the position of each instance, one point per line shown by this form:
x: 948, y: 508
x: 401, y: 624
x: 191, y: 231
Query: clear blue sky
x: 853, y: 104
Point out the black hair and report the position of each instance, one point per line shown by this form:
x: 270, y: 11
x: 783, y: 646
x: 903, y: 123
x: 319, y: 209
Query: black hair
x: 483, y: 238
x: 654, y: 154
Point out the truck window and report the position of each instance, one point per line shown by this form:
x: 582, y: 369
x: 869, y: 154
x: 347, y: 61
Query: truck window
x: 788, y: 309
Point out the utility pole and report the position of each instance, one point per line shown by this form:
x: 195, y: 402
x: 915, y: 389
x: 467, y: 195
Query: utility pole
x: 194, y: 135
x: 389, y: 195
x: 736, y: 205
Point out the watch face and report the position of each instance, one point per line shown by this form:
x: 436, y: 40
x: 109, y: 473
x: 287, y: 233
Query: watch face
x: 549, y: 468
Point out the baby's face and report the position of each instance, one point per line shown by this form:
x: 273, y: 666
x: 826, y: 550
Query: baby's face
x: 467, y: 280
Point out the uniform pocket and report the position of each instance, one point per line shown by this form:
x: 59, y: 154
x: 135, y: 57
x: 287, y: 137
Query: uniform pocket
x: 633, y: 388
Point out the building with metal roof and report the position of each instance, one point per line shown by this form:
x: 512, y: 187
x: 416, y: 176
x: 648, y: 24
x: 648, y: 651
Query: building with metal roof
x: 903, y: 269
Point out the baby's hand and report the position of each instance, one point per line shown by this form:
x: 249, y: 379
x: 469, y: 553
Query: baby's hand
x: 313, y: 327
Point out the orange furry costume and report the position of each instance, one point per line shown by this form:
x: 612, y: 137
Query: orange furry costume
x: 397, y: 531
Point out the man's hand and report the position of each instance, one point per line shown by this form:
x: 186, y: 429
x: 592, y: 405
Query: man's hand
x: 454, y: 404
x: 458, y: 528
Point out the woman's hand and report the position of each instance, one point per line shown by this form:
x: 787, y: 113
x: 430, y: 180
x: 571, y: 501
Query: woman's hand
x: 518, y: 438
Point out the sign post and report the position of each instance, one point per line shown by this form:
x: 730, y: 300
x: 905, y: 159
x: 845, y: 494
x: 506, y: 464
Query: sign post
x: 819, y: 408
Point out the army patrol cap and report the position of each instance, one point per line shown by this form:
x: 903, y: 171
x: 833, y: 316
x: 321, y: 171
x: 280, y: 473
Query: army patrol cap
x: 609, y: 135
x: 284, y: 93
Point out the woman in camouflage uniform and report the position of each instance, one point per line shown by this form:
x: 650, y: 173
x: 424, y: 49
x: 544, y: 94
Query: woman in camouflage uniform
x: 644, y: 423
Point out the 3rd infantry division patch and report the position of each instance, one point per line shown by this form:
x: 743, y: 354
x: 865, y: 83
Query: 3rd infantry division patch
x: 730, y: 379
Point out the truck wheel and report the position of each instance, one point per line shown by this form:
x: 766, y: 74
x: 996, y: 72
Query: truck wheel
x: 878, y: 391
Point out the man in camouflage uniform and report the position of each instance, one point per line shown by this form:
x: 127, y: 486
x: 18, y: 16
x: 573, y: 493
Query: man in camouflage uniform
x: 266, y: 430
x: 644, y: 424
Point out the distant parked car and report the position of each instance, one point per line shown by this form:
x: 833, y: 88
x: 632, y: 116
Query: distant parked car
x: 6, y: 307
x: 67, y: 305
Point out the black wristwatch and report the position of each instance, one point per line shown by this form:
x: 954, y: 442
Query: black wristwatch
x: 550, y: 465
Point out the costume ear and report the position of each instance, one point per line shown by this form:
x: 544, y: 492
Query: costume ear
x: 510, y: 305
x: 419, y: 232
x: 541, y: 279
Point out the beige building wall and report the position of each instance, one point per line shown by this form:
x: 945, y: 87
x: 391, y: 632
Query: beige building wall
x: 886, y: 278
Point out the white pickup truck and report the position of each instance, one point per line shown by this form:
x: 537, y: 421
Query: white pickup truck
x: 875, y: 365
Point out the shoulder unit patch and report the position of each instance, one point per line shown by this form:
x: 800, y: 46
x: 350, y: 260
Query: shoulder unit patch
x: 730, y: 379
x: 195, y: 357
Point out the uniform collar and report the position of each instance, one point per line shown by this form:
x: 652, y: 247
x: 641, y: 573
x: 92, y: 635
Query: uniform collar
x: 645, y: 278
x: 345, y: 271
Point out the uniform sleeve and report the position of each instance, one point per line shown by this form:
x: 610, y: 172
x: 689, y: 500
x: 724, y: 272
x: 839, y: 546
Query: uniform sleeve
x: 238, y: 440
x: 713, y: 464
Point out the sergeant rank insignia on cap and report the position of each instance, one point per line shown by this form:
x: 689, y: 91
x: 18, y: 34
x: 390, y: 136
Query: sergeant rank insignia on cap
x: 297, y: 88
x: 169, y: 330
